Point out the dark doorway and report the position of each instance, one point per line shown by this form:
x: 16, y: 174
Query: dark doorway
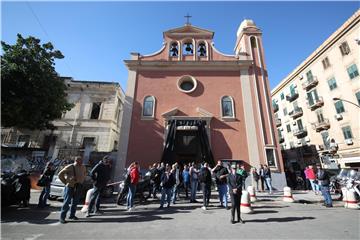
x: 186, y: 142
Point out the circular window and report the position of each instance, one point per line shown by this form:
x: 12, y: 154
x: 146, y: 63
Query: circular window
x: 187, y: 84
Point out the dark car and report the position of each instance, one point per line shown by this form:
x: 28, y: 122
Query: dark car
x: 57, y: 187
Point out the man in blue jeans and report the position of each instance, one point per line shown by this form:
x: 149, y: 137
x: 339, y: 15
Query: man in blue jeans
x: 72, y: 176
x: 221, y: 174
x: 324, y: 182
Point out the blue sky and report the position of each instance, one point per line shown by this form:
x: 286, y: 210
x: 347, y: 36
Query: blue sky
x: 95, y: 37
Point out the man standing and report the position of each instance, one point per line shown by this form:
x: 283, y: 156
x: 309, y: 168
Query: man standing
x: 167, y: 184
x: 100, y: 175
x: 241, y: 170
x: 194, y: 182
x: 186, y: 180
x: 267, y: 176
x: 324, y: 182
x: 134, y: 179
x: 262, y: 178
x: 221, y: 173
x: 205, y: 179
x: 72, y: 176
x: 235, y: 187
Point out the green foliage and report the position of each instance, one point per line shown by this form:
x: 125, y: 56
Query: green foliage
x: 32, y: 93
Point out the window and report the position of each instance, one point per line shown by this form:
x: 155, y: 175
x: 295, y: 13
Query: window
x: 148, y: 107
x: 23, y: 141
x: 353, y: 71
x: 285, y: 111
x: 227, y: 107
x: 300, y: 125
x: 292, y: 90
x: 312, y: 97
x: 326, y: 63
x: 282, y: 96
x: 358, y: 97
x: 347, y: 132
x: 288, y: 128
x: 332, y: 83
x: 320, y: 116
x: 188, y: 48
x: 88, y: 142
x: 174, y: 49
x: 270, y: 156
x: 201, y: 50
x: 95, y: 111
x: 344, y: 48
x: 339, y: 107
x: 309, y: 76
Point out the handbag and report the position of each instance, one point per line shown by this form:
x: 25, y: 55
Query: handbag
x: 43, y: 181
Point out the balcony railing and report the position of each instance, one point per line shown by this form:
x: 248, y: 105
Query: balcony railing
x: 300, y: 132
x: 316, y: 103
x: 297, y: 112
x: 310, y: 83
x: 275, y: 107
x: 278, y: 122
x: 324, y: 125
x: 292, y: 96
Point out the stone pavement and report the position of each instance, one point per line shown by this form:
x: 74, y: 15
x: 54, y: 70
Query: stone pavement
x: 272, y: 219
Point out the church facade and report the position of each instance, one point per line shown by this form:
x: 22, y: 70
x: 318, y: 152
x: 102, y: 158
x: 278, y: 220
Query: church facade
x: 190, y: 102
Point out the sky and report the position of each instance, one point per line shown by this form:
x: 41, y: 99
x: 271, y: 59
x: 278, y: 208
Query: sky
x: 96, y: 37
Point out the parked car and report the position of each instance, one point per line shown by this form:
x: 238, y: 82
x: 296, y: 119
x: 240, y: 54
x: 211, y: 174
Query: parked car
x: 57, y: 187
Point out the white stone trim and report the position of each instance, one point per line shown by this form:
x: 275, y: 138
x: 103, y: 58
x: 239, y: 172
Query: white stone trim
x: 232, y: 106
x: 217, y: 51
x: 153, y: 109
x: 157, y: 52
x: 186, y: 78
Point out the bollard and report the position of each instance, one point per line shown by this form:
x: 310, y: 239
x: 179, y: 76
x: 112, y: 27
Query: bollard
x: 245, y: 205
x: 251, y: 190
x: 288, y: 195
x: 350, y: 199
x: 87, y: 200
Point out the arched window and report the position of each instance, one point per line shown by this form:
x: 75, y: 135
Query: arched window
x: 188, y: 48
x: 227, y: 107
x: 148, y: 107
x: 174, y: 49
x: 201, y: 49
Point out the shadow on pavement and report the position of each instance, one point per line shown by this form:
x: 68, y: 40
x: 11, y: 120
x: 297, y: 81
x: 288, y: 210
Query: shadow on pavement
x: 255, y: 207
x: 285, y: 219
x: 30, y: 214
x: 264, y: 211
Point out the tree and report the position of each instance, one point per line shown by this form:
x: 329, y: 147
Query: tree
x: 32, y: 93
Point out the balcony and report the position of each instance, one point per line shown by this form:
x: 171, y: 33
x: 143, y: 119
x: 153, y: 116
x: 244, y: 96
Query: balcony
x: 316, y: 103
x: 275, y: 107
x: 309, y: 84
x: 278, y: 122
x: 324, y: 125
x: 300, y: 132
x: 292, y: 96
x: 297, y: 112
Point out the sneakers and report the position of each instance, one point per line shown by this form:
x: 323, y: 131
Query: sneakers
x: 240, y: 221
x: 130, y: 209
x: 203, y: 208
x: 62, y: 221
x: 161, y: 207
x: 74, y: 218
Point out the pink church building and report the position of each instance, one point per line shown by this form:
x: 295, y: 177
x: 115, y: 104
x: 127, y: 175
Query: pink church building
x: 190, y: 102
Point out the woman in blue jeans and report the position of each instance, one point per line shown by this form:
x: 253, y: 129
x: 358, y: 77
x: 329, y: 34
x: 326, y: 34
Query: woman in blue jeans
x: 48, y: 174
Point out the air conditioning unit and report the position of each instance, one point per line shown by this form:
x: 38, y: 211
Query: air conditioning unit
x: 338, y: 117
x: 307, y: 139
x: 349, y: 141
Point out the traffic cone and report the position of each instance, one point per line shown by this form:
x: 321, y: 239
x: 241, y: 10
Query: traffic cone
x: 344, y: 193
x: 245, y: 205
x: 85, y: 207
x: 350, y: 200
x: 288, y: 195
x: 251, y: 190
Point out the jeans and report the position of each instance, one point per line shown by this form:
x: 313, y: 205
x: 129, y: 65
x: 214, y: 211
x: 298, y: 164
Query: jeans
x: 186, y: 188
x: 314, y: 186
x: 206, y: 189
x: 174, y: 192
x: 223, y: 190
x: 168, y: 193
x: 71, y: 196
x: 44, y: 196
x: 268, y: 183
x: 194, y: 186
x: 326, y: 194
x: 95, y: 199
x: 130, y: 196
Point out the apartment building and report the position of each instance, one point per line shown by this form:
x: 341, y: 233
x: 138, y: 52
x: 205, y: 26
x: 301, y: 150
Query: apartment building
x: 319, y: 101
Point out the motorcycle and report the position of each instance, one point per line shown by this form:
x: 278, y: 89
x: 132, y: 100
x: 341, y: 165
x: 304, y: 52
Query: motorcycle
x: 15, y: 188
x: 350, y: 179
x: 143, y: 186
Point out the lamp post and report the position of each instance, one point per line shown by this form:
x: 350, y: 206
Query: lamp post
x: 337, y: 99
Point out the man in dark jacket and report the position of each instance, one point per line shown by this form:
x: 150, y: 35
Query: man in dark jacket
x: 324, y: 182
x: 167, y: 184
x: 221, y: 173
x: 235, y: 189
x: 100, y: 175
x: 205, y: 180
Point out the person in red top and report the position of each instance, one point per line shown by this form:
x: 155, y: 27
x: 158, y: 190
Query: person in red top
x: 134, y: 173
x: 312, y: 179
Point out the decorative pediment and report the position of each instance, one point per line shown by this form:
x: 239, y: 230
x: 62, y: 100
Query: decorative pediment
x: 188, y: 30
x: 171, y: 112
x: 204, y: 113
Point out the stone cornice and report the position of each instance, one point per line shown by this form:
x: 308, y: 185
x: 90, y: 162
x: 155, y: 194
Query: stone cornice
x: 188, y: 65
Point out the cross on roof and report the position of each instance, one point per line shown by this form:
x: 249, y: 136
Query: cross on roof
x: 187, y: 20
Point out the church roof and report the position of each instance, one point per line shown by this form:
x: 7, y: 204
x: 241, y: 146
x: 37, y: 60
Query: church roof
x: 188, y: 30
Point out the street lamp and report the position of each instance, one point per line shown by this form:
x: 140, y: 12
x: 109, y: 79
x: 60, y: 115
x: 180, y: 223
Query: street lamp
x: 337, y: 99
